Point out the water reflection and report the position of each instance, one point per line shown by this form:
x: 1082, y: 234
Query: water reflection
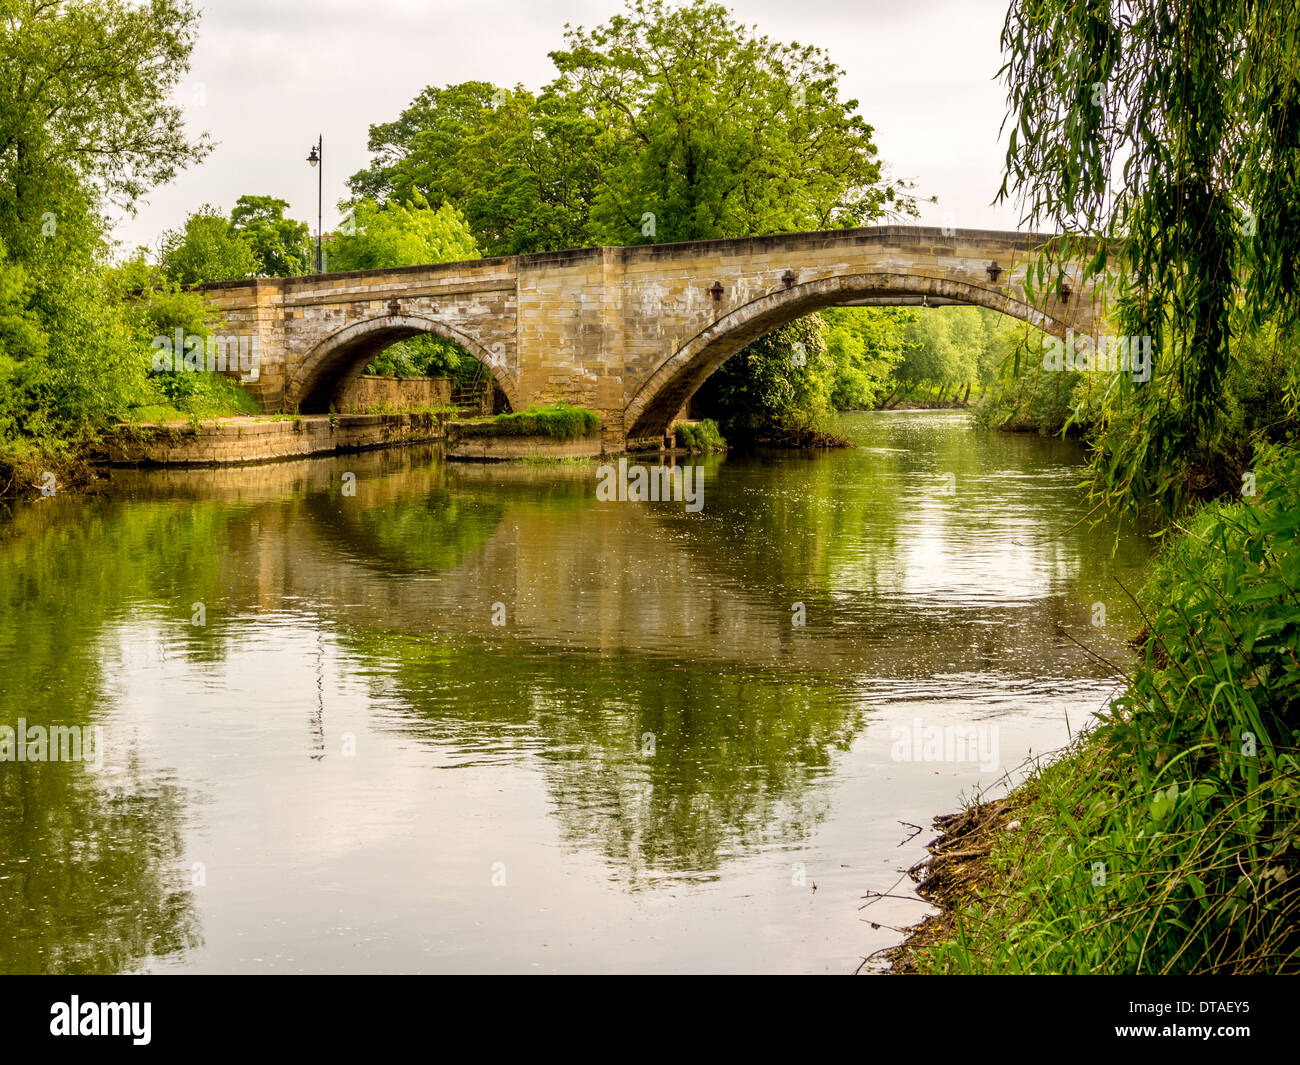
x: 350, y: 733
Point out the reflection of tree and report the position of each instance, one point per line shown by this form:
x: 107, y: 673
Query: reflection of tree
x: 735, y: 762
x: 89, y: 878
x: 89, y: 875
x: 736, y: 752
x: 434, y: 531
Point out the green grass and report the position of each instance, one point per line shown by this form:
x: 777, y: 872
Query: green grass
x: 1167, y: 839
x: 217, y: 397
x: 558, y: 421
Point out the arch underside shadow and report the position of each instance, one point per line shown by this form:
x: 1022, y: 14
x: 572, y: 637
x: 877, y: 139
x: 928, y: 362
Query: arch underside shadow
x: 325, y: 373
x: 656, y: 403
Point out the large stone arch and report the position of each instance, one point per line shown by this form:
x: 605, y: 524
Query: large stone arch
x: 323, y: 375
x: 655, y: 404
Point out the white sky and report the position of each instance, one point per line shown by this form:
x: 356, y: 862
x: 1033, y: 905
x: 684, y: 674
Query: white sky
x: 269, y: 75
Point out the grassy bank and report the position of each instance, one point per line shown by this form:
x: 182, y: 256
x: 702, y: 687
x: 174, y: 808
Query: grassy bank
x: 559, y: 421
x: 1166, y: 839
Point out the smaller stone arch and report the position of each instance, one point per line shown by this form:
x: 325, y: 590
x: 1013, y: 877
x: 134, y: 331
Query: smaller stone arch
x: 323, y: 375
x: 657, y: 401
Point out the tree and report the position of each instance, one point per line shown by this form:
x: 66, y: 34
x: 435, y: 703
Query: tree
x: 281, y: 246
x: 85, y: 103
x: 208, y: 248
x: 947, y: 347
x: 156, y: 306
x: 22, y: 344
x: 865, y: 344
x: 86, y: 118
x: 716, y: 131
x: 1171, y: 129
x: 521, y: 169
x: 401, y: 234
x: 783, y: 379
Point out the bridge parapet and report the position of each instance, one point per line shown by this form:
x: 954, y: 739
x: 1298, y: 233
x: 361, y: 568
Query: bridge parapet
x: 630, y: 332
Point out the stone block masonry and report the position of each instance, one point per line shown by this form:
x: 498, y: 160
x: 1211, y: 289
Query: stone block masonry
x: 395, y: 393
x: 629, y: 332
x: 238, y: 441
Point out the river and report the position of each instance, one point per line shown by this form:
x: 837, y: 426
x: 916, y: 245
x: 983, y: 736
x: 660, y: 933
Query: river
x: 470, y: 719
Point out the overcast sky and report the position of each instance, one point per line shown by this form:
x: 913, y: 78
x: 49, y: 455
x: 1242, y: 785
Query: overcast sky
x: 269, y: 75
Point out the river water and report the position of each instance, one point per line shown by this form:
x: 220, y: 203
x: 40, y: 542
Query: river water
x: 471, y: 719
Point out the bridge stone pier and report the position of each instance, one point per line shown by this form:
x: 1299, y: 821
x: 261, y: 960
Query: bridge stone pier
x: 629, y: 332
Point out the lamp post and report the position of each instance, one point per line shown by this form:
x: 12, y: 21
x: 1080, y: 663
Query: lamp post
x: 317, y: 154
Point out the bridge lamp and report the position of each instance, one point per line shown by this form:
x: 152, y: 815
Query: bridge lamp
x: 318, y: 153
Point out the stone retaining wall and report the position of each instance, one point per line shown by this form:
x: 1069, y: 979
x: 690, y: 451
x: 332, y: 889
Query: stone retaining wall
x: 234, y: 441
x: 395, y: 393
x: 480, y: 448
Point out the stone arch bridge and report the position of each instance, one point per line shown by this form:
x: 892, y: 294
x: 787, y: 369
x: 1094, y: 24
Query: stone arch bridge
x: 629, y: 332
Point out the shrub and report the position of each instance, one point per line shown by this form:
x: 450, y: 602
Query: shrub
x: 703, y: 436
x: 708, y: 437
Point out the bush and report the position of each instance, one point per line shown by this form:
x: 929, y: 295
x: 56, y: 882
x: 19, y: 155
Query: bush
x: 558, y: 421
x: 703, y: 436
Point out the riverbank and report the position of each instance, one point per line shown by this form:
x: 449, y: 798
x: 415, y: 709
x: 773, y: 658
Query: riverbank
x: 1166, y: 840
x: 225, y: 441
x: 237, y: 441
x: 953, y: 874
x: 944, y: 404
x: 36, y: 471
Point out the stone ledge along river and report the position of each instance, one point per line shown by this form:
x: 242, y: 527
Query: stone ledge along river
x: 472, y: 719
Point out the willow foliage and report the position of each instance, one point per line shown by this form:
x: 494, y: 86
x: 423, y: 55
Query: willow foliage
x: 1169, y: 129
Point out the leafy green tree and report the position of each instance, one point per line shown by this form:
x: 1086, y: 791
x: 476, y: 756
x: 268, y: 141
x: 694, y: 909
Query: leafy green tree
x: 931, y: 358
x: 85, y: 104
x: 281, y: 246
x: 717, y: 131
x: 441, y: 146
x: 520, y: 168
x: 208, y: 248
x: 86, y: 118
x: 1170, y: 128
x: 156, y: 306
x: 401, y: 234
x: 953, y: 350
x: 86, y: 370
x: 782, y: 380
x: 22, y: 343
x: 865, y: 344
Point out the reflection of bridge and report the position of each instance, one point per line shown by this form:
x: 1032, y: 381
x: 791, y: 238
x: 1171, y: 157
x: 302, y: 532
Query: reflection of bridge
x: 533, y: 537
x: 630, y: 332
